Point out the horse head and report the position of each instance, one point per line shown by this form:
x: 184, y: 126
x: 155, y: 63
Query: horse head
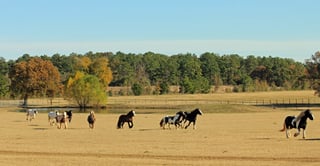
x: 132, y: 113
x: 308, y: 114
x: 198, y: 111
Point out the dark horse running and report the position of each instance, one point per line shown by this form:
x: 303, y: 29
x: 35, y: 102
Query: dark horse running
x: 91, y: 119
x: 291, y: 122
x: 126, y: 118
x: 192, y: 117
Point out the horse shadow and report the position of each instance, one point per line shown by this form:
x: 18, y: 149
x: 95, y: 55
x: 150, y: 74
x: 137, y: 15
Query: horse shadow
x: 312, y: 139
x: 40, y: 128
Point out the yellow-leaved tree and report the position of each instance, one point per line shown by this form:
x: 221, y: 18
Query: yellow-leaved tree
x: 88, y: 86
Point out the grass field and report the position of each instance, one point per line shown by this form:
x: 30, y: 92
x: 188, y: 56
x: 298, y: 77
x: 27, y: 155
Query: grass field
x: 249, y: 137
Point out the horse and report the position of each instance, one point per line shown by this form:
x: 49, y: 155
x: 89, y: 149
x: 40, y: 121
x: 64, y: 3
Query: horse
x: 63, y: 119
x: 52, y: 117
x: 192, y: 117
x: 69, y: 115
x: 290, y: 123
x: 176, y: 120
x: 31, y: 114
x: 91, y: 119
x: 126, y: 118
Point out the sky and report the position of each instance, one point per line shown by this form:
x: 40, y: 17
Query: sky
x: 277, y: 28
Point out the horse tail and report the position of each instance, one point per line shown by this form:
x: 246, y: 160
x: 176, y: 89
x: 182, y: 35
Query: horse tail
x: 284, y: 127
x: 119, y: 123
x: 162, y: 122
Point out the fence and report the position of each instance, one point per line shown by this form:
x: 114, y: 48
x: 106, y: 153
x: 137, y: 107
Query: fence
x: 149, y: 103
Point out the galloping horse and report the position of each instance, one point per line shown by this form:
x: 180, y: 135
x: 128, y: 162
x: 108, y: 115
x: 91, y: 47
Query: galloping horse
x: 69, y: 115
x: 126, y: 118
x: 91, y: 119
x: 31, y: 114
x: 192, y: 117
x: 176, y: 120
x: 52, y: 117
x: 290, y: 122
x: 63, y: 119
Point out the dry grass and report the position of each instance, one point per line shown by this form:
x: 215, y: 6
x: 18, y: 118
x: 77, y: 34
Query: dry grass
x: 248, y: 139
x: 230, y: 137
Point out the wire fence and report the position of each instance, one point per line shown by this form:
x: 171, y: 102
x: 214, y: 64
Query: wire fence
x: 149, y: 103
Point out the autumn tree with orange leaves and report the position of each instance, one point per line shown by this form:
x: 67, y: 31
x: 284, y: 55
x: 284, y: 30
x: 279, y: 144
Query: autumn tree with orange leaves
x: 35, y: 77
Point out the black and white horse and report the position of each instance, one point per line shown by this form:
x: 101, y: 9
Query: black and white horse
x: 192, y: 117
x: 52, y: 116
x: 175, y: 120
x: 91, y: 119
x: 290, y: 123
x: 31, y: 114
x: 63, y: 118
x: 126, y: 118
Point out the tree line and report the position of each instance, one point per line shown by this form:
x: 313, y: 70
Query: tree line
x: 77, y: 75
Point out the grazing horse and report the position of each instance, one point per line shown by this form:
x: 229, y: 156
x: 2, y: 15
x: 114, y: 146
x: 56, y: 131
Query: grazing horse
x: 290, y: 122
x: 91, y: 119
x: 126, y: 118
x: 176, y: 120
x: 31, y: 114
x: 192, y: 117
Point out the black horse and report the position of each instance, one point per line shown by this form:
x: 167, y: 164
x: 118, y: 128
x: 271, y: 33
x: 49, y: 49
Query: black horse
x: 69, y: 115
x: 175, y: 120
x: 126, y: 118
x: 192, y: 117
x: 290, y: 123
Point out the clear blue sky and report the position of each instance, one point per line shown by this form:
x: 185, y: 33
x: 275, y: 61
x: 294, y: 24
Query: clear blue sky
x: 278, y: 28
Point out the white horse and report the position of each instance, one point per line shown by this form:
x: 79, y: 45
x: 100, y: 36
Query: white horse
x: 52, y: 117
x: 31, y: 114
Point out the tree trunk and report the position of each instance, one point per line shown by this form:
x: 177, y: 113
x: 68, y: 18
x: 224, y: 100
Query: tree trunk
x: 25, y: 100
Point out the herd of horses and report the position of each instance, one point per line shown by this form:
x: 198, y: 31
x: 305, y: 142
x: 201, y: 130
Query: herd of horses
x: 179, y: 120
x: 62, y: 119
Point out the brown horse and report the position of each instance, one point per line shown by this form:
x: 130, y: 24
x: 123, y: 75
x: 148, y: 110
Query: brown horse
x: 126, y: 118
x: 91, y: 119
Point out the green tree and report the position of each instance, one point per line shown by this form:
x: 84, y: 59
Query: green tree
x: 210, y: 68
x: 313, y: 71
x: 86, y: 90
x: 137, y: 89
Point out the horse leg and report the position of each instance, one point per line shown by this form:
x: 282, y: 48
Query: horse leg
x: 187, y: 125
x: 194, y: 125
x: 287, y: 133
x: 304, y: 134
x: 297, y: 133
x: 130, y: 124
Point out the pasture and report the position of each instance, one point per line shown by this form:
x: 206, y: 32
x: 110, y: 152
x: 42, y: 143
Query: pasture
x: 246, y: 135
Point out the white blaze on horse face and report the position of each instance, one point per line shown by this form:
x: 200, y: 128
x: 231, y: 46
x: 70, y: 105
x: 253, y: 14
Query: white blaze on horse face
x: 200, y: 112
x: 134, y: 113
